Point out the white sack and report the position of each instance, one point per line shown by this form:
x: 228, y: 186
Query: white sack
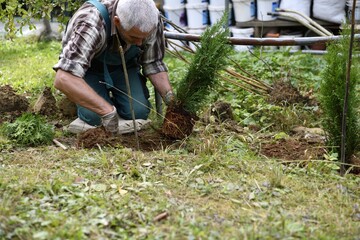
x: 330, y: 10
x: 301, y: 6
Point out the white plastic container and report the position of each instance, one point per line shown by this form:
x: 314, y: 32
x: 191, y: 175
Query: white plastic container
x: 244, y: 10
x: 290, y: 36
x: 303, y: 6
x: 176, y: 14
x: 216, y: 12
x: 173, y: 2
x: 196, y: 32
x: 197, y: 15
x: 197, y: 1
x: 217, y: 3
x: 265, y: 6
x: 242, y: 33
x: 349, y: 4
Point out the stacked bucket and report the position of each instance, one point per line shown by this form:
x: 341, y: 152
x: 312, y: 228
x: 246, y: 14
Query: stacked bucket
x: 174, y: 10
x: 265, y: 6
x: 197, y: 18
x: 217, y: 9
x: 248, y: 10
x: 196, y: 15
x: 193, y: 14
x: 244, y: 11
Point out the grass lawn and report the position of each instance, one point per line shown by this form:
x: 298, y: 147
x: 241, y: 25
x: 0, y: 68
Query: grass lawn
x: 213, y: 186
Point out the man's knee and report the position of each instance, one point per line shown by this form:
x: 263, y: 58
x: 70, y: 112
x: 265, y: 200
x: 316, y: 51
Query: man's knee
x: 141, y: 112
x: 88, y: 116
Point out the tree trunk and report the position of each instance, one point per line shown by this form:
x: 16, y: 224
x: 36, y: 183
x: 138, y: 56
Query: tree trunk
x: 46, y: 34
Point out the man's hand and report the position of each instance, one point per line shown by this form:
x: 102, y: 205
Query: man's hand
x: 110, y: 122
x: 169, y: 98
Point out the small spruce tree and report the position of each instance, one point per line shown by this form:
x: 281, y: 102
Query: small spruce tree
x: 210, y: 57
x: 194, y: 89
x: 332, y: 94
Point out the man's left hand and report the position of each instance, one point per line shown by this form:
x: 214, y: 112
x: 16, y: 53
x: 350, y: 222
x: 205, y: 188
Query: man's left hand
x: 169, y: 98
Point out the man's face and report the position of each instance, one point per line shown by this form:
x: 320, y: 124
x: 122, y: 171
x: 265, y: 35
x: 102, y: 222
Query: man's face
x: 133, y: 36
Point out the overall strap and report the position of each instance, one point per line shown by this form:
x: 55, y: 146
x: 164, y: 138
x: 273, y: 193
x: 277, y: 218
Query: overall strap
x: 104, y: 13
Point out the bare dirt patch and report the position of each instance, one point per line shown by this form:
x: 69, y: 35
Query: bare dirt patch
x: 12, y: 104
x: 292, y: 149
x: 284, y: 93
x: 148, y: 140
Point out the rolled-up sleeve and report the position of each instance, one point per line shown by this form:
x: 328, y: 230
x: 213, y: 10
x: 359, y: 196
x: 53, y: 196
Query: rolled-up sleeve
x: 80, y: 44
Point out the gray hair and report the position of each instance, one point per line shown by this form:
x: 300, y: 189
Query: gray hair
x: 142, y: 14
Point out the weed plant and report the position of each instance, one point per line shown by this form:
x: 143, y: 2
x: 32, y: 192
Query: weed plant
x: 332, y: 93
x: 29, y: 130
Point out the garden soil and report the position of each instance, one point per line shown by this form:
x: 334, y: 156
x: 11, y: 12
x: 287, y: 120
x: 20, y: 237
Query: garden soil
x: 296, y: 146
x: 147, y: 140
x: 150, y: 139
x: 12, y: 104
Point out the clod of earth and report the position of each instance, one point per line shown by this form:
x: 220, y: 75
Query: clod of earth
x: 284, y: 93
x: 178, y: 123
x: 219, y: 112
x: 67, y: 107
x: 46, y: 103
x: 12, y: 104
x: 12, y: 101
x: 94, y: 137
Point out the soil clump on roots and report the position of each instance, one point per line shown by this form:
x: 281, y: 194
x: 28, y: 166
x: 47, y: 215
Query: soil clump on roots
x: 178, y: 123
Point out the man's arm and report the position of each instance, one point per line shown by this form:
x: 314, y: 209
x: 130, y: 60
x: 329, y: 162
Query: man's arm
x: 78, y: 91
x: 161, y: 82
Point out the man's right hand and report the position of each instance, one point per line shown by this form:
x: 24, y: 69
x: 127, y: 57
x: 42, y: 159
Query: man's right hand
x: 110, y: 122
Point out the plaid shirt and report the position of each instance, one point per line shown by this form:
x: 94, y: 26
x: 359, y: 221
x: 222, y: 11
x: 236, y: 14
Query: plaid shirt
x: 85, y: 37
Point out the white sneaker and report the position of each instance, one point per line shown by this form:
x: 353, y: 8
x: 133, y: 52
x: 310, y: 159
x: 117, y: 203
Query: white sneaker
x: 125, y: 126
x: 79, y: 126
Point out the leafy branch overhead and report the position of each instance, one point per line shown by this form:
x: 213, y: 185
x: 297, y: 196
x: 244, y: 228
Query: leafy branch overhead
x: 17, y: 14
x: 201, y: 77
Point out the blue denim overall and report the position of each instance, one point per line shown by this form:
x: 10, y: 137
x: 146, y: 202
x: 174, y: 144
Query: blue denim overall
x: 107, y: 67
